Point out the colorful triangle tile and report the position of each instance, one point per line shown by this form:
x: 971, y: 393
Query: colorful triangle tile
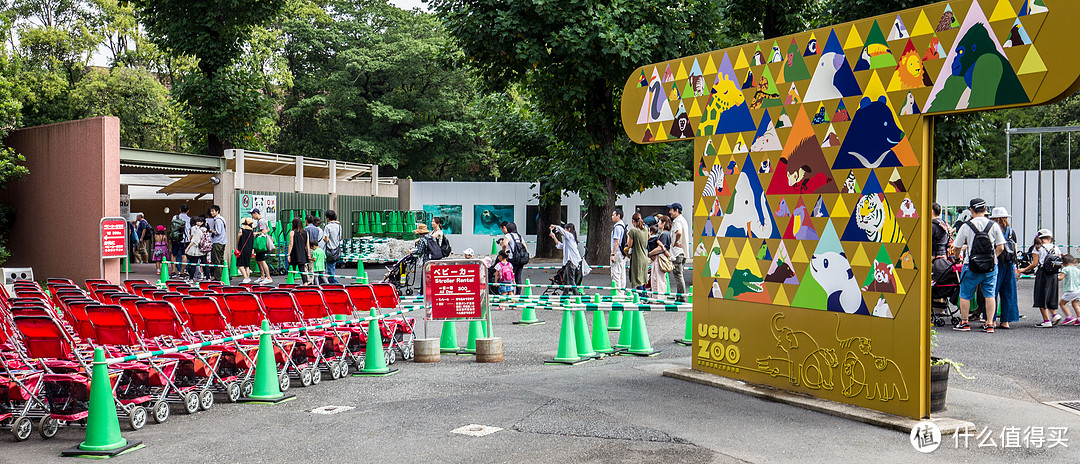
x: 922, y: 25
x: 1033, y: 63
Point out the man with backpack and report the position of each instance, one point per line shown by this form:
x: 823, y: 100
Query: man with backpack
x: 179, y: 230
x: 981, y: 241
x: 618, y: 244
x: 219, y: 240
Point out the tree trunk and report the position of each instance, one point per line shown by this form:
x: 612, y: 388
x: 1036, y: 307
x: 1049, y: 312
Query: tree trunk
x: 598, y: 247
x: 545, y: 246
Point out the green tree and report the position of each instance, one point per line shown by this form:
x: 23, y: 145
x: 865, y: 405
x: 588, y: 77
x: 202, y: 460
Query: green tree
x: 573, y: 57
x: 752, y: 20
x: 148, y: 117
x: 223, y: 99
x: 10, y: 161
x: 376, y: 84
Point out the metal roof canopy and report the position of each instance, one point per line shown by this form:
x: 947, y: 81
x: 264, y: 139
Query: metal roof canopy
x: 139, y: 161
x: 278, y: 164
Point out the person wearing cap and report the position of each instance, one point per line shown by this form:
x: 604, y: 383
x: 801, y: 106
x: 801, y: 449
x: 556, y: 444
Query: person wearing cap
x: 421, y: 251
x: 261, y: 229
x: 969, y: 279
x: 245, y: 244
x: 1009, y: 310
x: 679, y: 249
x: 468, y: 253
x: 1046, y: 283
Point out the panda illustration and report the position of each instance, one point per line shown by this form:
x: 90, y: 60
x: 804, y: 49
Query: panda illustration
x: 833, y: 272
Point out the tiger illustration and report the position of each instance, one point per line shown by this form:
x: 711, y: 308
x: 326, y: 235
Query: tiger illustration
x: 725, y: 95
x: 715, y: 184
x: 876, y: 219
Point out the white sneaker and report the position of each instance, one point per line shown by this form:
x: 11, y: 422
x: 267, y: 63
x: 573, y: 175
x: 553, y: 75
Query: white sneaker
x: 1056, y: 319
x: 1045, y: 324
x: 245, y: 281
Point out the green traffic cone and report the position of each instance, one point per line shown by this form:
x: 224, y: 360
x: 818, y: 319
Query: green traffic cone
x: 374, y: 362
x: 449, y: 343
x: 639, y: 343
x: 494, y: 247
x: 567, y: 351
x: 528, y: 312
x: 233, y: 271
x: 164, y: 273
x: 627, y: 329
x: 290, y: 276
x: 476, y: 330
x: 102, y: 426
x: 600, y: 341
x: 688, y: 335
x: 266, y: 388
x: 615, y: 318
x: 225, y: 275
x: 581, y: 336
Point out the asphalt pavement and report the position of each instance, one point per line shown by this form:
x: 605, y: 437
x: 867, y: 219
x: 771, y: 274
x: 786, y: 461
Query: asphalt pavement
x: 612, y: 410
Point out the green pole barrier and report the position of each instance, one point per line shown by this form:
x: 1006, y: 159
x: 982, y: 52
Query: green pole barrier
x: 627, y: 329
x: 102, y: 425
x: 639, y: 342
x: 448, y: 343
x: 667, y: 281
x: 567, y: 352
x: 581, y: 334
x: 374, y: 360
x: 528, y: 312
x: 615, y: 318
x: 267, y: 387
x: 600, y: 341
x: 688, y: 335
x: 164, y: 273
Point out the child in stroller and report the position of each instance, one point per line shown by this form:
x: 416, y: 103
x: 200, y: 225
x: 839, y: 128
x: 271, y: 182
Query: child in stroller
x: 945, y: 291
x: 403, y: 274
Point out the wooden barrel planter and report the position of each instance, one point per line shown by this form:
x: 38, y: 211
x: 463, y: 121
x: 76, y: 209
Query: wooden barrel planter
x: 939, y: 385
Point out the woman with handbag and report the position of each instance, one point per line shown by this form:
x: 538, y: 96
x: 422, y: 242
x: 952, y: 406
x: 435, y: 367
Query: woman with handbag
x: 298, y: 252
x: 244, y: 248
x: 659, y: 256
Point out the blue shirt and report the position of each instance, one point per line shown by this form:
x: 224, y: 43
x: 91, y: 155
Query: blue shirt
x: 217, y: 229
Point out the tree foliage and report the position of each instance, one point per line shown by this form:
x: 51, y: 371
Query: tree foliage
x: 573, y: 57
x: 376, y: 84
x: 148, y: 117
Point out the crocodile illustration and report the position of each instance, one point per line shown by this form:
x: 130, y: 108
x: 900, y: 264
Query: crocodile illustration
x: 743, y: 281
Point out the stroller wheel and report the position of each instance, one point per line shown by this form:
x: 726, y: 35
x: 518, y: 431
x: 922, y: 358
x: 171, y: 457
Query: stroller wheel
x: 955, y: 320
x: 246, y: 387
x: 305, y: 377
x: 283, y: 382
x: 332, y: 367
x: 161, y: 412
x: 22, y: 428
x: 137, y: 418
x: 47, y: 427
x: 233, y: 390
x: 939, y: 322
x: 206, y: 399
x: 409, y: 291
x: 316, y: 375
x: 191, y: 403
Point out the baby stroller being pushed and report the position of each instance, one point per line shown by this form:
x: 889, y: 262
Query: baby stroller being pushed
x: 945, y: 291
x: 566, y: 276
x: 402, y: 274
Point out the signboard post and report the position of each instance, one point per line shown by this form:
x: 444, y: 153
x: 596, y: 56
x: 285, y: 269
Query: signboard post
x: 456, y: 290
x: 114, y: 240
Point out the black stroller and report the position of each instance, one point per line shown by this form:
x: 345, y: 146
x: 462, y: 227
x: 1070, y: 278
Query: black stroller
x: 403, y: 274
x: 945, y: 291
x: 567, y: 275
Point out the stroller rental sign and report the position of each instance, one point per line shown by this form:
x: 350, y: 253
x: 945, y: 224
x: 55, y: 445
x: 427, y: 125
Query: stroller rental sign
x: 455, y: 289
x: 813, y: 168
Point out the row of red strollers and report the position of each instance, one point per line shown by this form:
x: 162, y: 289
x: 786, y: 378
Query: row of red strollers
x: 47, y: 340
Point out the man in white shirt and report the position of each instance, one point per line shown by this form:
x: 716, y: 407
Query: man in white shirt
x: 680, y: 232
x: 969, y: 279
x: 618, y: 260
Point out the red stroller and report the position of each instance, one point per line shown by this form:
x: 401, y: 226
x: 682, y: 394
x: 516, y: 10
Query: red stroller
x: 945, y: 291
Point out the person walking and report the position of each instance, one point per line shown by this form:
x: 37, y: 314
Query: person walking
x: 514, y: 245
x: 618, y: 258
x: 297, y: 249
x: 195, y: 255
x: 636, y: 241
x: 566, y: 240
x: 331, y: 243
x: 216, y: 223
x: 145, y: 239
x: 161, y: 250
x: 981, y: 241
x: 422, y: 251
x: 659, y: 255
x: 179, y: 230
x: 1070, y: 282
x: 262, y: 232
x: 680, y: 250
x: 1008, y: 307
x: 314, y: 233
x: 245, y: 244
x: 1047, y: 258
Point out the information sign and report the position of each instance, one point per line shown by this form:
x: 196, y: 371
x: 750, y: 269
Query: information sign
x: 113, y: 237
x: 455, y: 289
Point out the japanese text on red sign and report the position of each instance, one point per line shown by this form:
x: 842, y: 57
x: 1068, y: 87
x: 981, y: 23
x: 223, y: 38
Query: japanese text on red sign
x: 455, y: 291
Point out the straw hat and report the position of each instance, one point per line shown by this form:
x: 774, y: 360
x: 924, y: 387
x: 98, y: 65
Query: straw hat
x: 247, y: 223
x: 421, y: 229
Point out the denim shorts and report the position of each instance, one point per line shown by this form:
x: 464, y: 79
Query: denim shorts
x: 970, y: 279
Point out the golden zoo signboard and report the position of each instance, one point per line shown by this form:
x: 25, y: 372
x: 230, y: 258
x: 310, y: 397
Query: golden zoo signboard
x: 813, y: 157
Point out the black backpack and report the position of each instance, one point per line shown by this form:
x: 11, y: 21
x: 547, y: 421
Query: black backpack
x: 445, y: 247
x: 434, y: 250
x: 981, y: 255
x: 1051, y: 266
x: 622, y: 241
x: 519, y: 254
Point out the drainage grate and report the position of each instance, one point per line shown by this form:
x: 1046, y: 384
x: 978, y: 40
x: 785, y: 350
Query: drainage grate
x: 1071, y: 406
x: 476, y: 430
